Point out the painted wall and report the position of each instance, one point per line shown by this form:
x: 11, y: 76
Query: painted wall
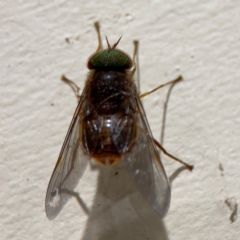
x: 41, y: 40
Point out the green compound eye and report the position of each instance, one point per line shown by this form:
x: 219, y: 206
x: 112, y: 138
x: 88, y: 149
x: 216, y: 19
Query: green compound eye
x: 110, y: 58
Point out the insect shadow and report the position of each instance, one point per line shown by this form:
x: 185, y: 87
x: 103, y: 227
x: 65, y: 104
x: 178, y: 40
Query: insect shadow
x: 119, y: 211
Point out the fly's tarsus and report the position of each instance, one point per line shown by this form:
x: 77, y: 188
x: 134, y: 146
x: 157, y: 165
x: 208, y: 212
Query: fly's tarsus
x: 73, y: 85
x: 178, y: 79
x: 189, y: 167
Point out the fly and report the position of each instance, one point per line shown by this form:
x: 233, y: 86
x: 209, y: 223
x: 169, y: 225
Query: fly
x: 110, y: 125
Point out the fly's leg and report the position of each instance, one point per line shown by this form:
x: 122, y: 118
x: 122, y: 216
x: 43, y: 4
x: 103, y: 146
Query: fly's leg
x: 97, y: 27
x: 178, y: 79
x: 189, y: 167
x: 136, y: 68
x: 73, y: 85
x: 135, y: 51
x: 135, y: 61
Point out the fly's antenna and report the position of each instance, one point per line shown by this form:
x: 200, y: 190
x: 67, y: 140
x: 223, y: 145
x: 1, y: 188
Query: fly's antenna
x: 109, y: 47
x: 114, y: 45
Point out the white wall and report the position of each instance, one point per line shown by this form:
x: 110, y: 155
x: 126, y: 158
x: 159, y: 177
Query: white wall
x: 198, y: 39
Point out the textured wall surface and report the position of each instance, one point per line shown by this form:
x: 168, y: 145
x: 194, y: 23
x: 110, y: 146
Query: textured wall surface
x: 41, y: 40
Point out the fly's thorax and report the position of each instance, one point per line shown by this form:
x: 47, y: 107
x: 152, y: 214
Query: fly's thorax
x: 110, y: 59
x: 108, y: 90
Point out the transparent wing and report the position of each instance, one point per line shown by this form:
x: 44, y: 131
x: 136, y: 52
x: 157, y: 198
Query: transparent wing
x: 69, y: 168
x: 145, y: 167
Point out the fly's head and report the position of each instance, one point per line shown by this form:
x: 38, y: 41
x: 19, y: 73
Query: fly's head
x: 110, y: 58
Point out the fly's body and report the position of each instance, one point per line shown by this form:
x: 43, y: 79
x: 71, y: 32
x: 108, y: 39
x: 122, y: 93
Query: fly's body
x: 110, y: 125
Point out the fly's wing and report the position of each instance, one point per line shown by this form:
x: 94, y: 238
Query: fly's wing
x: 145, y: 167
x: 69, y: 168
